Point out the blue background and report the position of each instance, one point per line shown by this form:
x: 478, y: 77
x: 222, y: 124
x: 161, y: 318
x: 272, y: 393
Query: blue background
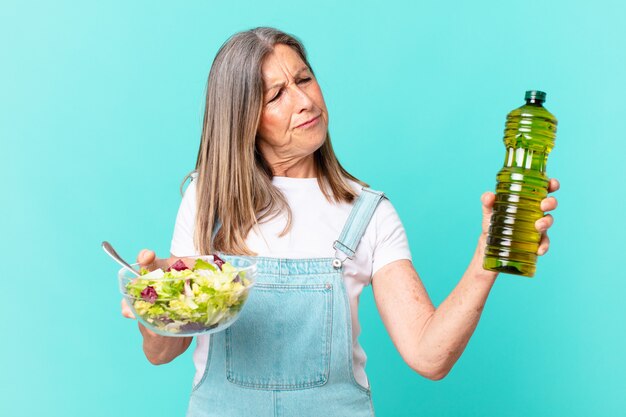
x: 100, y: 116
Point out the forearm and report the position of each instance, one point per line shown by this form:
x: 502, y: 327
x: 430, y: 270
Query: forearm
x: 451, y: 325
x: 162, y: 349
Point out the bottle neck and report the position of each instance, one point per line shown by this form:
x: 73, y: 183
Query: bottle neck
x: 534, y: 102
x: 526, y: 158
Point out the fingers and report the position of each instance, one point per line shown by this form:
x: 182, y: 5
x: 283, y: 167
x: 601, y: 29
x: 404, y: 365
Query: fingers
x: 544, y: 223
x: 544, y: 244
x: 548, y: 204
x: 126, y: 311
x: 553, y: 185
x: 488, y: 199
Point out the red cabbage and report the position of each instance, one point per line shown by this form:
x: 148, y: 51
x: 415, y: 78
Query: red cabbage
x: 149, y: 294
x: 179, y: 265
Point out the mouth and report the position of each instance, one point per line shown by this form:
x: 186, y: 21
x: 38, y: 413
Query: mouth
x: 310, y: 122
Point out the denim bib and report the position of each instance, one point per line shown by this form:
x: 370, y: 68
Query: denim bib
x: 290, y: 352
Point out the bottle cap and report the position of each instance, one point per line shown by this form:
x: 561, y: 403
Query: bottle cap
x: 535, y: 95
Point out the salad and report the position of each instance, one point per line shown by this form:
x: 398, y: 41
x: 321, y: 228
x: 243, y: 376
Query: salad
x: 189, y: 300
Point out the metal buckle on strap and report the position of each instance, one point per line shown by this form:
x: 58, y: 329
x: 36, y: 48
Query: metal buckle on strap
x: 342, y: 247
x: 340, y: 255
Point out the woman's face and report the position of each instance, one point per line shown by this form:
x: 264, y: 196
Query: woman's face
x: 291, y: 97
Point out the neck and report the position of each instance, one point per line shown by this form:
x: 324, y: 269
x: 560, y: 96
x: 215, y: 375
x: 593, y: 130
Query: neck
x: 298, y: 168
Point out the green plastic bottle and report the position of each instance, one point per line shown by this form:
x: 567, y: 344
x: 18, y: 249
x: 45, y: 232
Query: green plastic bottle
x: 522, y: 183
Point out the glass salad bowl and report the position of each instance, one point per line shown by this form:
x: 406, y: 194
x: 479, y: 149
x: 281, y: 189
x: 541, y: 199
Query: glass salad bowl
x: 192, y: 296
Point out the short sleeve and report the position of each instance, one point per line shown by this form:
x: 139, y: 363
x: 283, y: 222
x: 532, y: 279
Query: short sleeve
x: 391, y: 241
x: 182, y: 238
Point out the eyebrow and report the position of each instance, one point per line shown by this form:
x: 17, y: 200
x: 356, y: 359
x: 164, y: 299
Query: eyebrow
x: 305, y: 68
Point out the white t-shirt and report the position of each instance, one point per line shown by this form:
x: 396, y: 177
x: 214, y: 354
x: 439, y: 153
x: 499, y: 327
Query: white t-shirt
x: 316, y: 224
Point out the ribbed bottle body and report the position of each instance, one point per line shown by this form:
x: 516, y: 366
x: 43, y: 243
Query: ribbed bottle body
x: 513, y: 240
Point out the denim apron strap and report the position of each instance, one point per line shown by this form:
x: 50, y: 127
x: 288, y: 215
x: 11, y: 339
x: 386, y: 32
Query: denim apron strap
x: 355, y: 226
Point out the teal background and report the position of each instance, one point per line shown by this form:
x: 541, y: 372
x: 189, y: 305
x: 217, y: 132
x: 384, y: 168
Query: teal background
x: 100, y: 116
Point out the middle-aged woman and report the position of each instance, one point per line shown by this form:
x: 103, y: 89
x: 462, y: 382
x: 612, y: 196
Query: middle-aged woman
x: 267, y: 184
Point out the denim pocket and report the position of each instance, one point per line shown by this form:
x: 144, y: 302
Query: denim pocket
x: 282, y: 337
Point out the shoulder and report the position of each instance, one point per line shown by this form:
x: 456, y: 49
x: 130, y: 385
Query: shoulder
x: 358, y: 188
x: 384, y: 206
x: 385, y: 220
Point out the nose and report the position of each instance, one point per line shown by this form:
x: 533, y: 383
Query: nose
x: 302, y: 100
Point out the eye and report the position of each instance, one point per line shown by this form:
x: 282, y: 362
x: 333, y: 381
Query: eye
x: 303, y: 80
x: 276, y: 96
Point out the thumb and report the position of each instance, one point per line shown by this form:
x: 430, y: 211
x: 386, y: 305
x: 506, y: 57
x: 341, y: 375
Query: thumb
x: 488, y: 198
x: 146, y: 259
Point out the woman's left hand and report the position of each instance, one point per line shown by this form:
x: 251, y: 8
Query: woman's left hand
x: 542, y: 225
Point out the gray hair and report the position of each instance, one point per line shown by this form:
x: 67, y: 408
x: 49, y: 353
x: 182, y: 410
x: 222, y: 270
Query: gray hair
x: 234, y: 182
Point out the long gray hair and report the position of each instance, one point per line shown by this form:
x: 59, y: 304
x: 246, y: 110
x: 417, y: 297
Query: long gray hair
x: 234, y: 182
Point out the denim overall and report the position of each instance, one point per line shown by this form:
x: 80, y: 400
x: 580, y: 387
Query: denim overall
x: 290, y: 352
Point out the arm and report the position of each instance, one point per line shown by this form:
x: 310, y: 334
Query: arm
x: 431, y: 340
x: 162, y: 349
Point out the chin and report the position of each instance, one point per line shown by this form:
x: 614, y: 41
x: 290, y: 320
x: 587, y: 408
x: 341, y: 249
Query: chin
x: 320, y: 140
